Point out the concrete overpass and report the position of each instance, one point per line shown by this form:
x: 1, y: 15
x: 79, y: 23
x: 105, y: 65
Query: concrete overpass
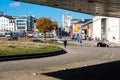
x: 108, y: 8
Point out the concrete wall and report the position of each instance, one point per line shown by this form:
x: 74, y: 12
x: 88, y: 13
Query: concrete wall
x: 97, y: 27
x: 112, y: 28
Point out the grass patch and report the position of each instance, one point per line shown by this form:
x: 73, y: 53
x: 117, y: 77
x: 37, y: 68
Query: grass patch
x: 18, y: 48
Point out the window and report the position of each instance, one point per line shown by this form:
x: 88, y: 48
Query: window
x: 20, y: 23
x: 20, y: 20
x: 21, y: 27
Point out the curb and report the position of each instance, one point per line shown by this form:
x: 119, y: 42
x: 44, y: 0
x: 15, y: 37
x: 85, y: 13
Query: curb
x: 30, y: 56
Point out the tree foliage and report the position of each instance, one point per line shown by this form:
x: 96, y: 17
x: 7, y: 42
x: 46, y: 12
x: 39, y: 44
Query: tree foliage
x: 45, y: 25
x: 54, y: 24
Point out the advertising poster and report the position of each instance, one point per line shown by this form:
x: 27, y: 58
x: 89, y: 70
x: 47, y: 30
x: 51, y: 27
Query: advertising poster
x: 75, y: 28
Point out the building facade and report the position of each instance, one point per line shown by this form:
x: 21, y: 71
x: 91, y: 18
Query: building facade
x: 16, y: 24
x: 25, y: 23
x: 88, y: 28
x: 66, y: 21
x: 21, y: 24
x: 30, y: 23
x: 79, y: 25
x: 7, y: 23
x: 107, y: 28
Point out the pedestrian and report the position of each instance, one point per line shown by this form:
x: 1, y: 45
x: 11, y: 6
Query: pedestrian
x: 80, y: 38
x: 80, y: 41
x: 65, y: 43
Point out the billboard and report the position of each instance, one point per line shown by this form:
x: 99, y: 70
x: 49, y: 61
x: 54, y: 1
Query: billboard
x: 75, y: 28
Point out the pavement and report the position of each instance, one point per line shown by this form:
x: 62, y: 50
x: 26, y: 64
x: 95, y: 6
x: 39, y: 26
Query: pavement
x: 78, y: 57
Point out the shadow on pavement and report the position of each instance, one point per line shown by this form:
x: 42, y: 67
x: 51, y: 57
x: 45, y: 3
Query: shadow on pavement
x: 106, y: 71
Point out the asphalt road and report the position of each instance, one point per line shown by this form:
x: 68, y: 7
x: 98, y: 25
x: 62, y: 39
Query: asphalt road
x: 76, y: 56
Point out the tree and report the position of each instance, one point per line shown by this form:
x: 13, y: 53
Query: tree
x: 54, y: 24
x: 45, y: 25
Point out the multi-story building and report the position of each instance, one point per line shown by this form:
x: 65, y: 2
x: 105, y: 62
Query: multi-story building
x: 21, y: 24
x: 66, y: 21
x: 107, y: 28
x: 16, y: 24
x: 25, y: 23
x: 7, y: 23
x: 30, y: 23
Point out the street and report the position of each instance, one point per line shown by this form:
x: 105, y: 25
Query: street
x: 76, y: 56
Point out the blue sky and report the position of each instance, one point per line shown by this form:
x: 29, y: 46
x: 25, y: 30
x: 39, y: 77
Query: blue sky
x: 13, y: 8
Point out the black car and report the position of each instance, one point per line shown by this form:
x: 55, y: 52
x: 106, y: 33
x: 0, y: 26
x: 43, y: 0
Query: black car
x: 102, y: 44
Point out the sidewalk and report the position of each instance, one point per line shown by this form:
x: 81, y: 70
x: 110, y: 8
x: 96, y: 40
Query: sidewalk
x: 88, y: 43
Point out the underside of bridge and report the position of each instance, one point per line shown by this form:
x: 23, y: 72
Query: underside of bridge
x: 110, y: 8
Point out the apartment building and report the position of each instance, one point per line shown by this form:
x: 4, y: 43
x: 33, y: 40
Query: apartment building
x: 11, y: 23
x: 7, y: 23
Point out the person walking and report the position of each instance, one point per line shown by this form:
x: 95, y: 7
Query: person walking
x: 65, y: 43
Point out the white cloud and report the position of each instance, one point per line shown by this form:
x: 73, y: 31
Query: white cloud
x: 15, y: 4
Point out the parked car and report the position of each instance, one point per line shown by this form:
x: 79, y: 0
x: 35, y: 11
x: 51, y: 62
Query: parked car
x: 102, y: 44
x: 30, y: 36
x: 12, y: 37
